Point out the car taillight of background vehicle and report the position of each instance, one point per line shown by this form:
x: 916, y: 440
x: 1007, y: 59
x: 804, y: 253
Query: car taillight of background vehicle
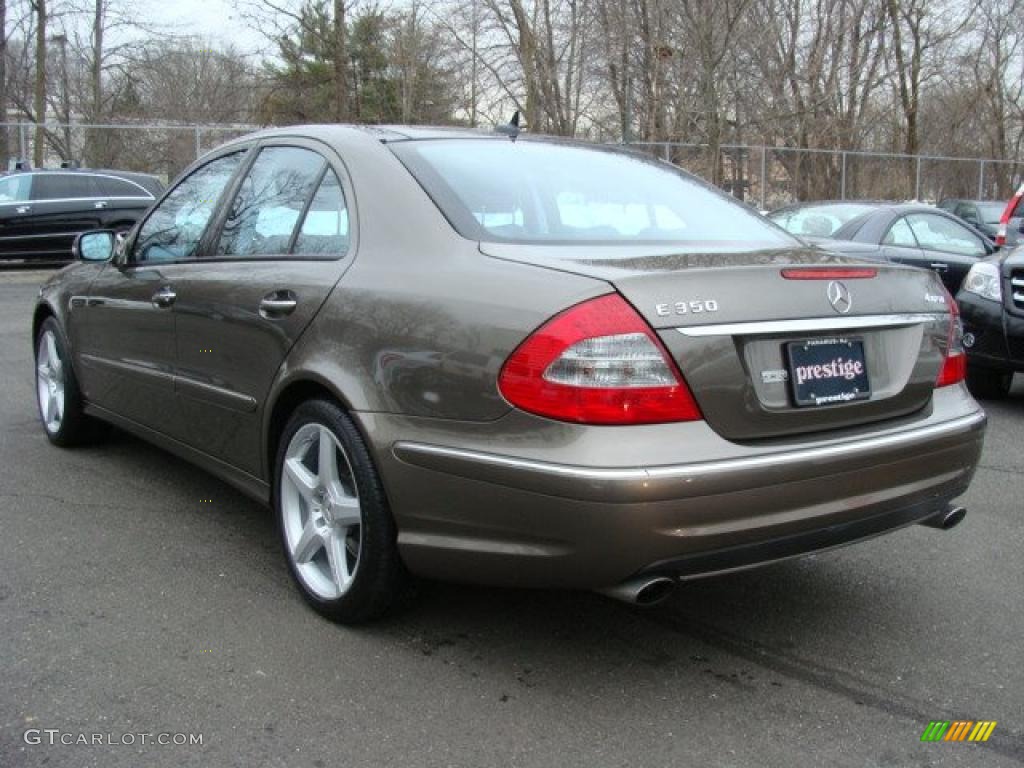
x: 954, y: 365
x: 597, y: 363
x: 1004, y: 220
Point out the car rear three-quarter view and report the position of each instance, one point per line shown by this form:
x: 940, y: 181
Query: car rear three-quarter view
x: 523, y: 363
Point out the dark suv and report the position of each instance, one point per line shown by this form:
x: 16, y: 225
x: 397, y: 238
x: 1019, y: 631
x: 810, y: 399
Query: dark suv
x: 42, y: 211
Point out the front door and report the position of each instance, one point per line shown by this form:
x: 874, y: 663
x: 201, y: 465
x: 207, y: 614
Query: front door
x: 281, y: 247
x: 127, y: 336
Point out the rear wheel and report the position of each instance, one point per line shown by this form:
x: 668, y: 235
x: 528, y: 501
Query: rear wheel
x: 335, y: 524
x: 57, y: 394
x: 988, y: 383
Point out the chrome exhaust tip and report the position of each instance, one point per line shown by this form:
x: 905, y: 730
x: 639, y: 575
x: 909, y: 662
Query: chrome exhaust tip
x: 947, y: 520
x: 642, y: 590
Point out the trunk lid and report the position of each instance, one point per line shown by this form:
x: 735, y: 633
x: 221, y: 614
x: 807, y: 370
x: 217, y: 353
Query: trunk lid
x: 738, y: 329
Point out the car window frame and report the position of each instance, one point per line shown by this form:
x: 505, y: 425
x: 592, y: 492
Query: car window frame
x: 206, y: 253
x: 125, y: 256
x: 955, y: 221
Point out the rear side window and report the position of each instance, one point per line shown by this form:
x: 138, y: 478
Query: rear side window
x: 111, y: 187
x: 532, y: 191
x: 269, y: 203
x: 817, y: 220
x: 62, y: 186
x: 324, y: 230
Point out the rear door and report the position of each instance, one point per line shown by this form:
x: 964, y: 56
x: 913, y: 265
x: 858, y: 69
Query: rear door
x: 280, y: 246
x: 120, y: 201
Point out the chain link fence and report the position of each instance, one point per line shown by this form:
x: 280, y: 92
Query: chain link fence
x: 764, y: 176
x: 769, y: 177
x: 163, y: 150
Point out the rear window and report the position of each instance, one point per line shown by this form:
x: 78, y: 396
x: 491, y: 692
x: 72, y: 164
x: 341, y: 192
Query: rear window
x: 113, y: 187
x: 818, y: 220
x: 538, y: 192
x: 991, y: 212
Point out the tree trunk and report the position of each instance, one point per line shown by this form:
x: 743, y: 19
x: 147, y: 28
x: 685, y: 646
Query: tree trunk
x: 4, y: 146
x: 39, y: 105
x: 94, y: 155
x: 340, y: 63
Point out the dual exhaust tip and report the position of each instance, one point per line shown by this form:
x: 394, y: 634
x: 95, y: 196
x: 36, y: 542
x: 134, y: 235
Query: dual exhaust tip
x: 646, y: 591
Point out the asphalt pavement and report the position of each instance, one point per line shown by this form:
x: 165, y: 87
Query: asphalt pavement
x: 143, y: 600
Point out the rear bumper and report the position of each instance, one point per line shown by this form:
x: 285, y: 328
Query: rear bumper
x: 519, y: 516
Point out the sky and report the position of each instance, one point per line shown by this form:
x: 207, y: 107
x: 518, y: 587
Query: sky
x: 217, y: 20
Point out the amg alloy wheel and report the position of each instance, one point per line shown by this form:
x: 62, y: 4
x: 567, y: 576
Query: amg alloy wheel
x: 57, y: 394
x: 335, y: 524
x: 50, y: 381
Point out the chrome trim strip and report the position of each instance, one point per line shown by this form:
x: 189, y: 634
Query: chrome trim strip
x: 410, y: 452
x: 211, y: 393
x: 809, y: 324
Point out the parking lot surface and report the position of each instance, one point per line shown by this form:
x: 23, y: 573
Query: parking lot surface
x: 139, y: 595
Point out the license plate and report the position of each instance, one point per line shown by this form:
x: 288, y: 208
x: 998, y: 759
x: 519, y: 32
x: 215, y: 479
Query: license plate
x: 828, y: 371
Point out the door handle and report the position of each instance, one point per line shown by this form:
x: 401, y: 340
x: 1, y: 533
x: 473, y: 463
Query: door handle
x: 164, y: 298
x: 278, y: 304
x: 100, y: 204
x: 23, y: 209
x: 939, y: 266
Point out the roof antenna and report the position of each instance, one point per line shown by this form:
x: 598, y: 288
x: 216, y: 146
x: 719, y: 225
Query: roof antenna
x: 512, y: 129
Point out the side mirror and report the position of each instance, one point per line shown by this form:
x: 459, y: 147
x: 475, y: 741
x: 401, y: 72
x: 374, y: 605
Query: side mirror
x: 94, y: 246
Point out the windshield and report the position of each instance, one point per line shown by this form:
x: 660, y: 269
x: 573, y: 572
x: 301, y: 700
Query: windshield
x: 539, y: 192
x: 817, y: 220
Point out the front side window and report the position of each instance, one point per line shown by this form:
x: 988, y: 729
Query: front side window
x: 270, y: 202
x: 534, y: 191
x: 14, y: 189
x: 175, y: 227
x: 937, y: 233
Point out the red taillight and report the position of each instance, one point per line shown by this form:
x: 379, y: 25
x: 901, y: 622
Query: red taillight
x: 954, y: 365
x: 829, y: 273
x: 597, y: 363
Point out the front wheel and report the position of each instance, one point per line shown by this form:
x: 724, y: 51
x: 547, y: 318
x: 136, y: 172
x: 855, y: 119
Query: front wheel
x: 336, y: 528
x: 988, y: 383
x: 57, y: 395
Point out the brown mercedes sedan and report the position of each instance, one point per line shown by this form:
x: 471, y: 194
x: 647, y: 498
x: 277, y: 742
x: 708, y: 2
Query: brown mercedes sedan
x: 509, y: 361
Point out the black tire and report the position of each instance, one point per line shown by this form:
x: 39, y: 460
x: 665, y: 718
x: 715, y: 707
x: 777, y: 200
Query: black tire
x: 74, y: 427
x: 379, y: 581
x: 988, y: 383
